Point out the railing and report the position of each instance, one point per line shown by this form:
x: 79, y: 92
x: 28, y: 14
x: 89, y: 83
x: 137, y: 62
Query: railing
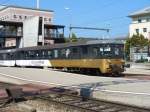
x: 53, y: 35
x: 9, y: 33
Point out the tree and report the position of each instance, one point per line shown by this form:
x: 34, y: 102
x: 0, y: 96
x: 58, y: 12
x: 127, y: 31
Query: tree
x: 73, y: 38
x: 135, y: 41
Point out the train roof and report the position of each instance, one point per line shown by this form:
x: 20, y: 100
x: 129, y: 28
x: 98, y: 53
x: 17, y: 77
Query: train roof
x: 72, y: 44
x: 64, y: 45
x: 8, y: 50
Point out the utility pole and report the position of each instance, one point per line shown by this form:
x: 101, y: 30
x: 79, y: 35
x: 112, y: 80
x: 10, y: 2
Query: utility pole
x: 37, y: 4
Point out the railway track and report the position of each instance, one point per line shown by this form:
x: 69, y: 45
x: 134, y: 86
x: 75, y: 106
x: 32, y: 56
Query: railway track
x: 89, y: 105
x: 66, y: 99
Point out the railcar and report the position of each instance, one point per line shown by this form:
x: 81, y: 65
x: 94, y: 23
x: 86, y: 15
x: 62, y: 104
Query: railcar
x: 101, y: 57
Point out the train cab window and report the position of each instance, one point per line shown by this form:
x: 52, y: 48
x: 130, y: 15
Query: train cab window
x: 55, y: 53
x: 107, y: 51
x: 116, y: 51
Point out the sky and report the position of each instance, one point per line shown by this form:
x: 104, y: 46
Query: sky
x: 112, y: 14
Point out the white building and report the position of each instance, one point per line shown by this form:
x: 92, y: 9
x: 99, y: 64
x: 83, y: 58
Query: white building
x: 26, y: 27
x: 19, y: 14
x: 140, y: 23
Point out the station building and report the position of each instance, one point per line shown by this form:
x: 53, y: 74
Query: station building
x: 25, y: 27
x: 140, y: 23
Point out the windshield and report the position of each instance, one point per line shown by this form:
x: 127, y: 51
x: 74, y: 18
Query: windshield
x: 109, y: 51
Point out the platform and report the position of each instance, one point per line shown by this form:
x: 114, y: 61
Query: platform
x: 128, y: 91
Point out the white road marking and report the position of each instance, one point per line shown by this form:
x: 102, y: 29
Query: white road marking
x: 125, y: 92
x: 29, y: 80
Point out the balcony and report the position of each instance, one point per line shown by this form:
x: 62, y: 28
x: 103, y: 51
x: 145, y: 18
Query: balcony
x: 10, y: 34
x: 53, y: 35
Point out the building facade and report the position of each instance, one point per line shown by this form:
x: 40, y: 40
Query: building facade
x: 140, y: 23
x: 20, y: 14
x: 26, y: 27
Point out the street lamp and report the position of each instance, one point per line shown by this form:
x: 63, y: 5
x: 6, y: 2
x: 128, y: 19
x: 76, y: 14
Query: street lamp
x: 68, y: 9
x: 37, y: 4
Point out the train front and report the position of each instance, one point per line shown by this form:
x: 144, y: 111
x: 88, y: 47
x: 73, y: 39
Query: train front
x: 113, y: 60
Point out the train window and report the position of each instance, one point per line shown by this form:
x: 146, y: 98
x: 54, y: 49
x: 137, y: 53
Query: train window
x: 107, y: 48
x: 95, y: 51
x: 26, y: 53
x: 74, y: 50
x: 1, y: 57
x: 44, y: 54
x: 101, y: 50
x: 67, y: 53
x: 74, y: 53
x: 116, y: 51
x: 31, y: 54
x: 20, y: 55
x: 49, y: 54
x: 36, y: 54
x: 63, y: 53
x: 5, y: 56
x: 84, y: 50
x: 55, y: 53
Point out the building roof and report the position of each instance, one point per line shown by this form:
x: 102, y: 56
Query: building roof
x: 144, y: 11
x: 3, y: 7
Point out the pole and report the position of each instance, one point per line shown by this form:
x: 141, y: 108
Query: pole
x: 70, y: 32
x: 37, y: 4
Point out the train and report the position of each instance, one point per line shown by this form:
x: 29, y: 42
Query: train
x: 100, y: 57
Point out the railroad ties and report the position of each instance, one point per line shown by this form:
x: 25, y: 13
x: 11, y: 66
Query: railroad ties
x: 90, y: 105
x: 60, y: 97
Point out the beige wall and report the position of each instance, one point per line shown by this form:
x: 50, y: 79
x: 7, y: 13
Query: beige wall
x: 140, y: 26
x: 19, y: 14
x: 145, y: 23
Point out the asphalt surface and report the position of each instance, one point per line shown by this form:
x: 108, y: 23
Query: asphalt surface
x: 124, y: 90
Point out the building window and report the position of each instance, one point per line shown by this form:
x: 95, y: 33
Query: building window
x: 144, y: 29
x: 25, y: 17
x: 137, y: 31
x: 139, y: 20
x: 15, y: 16
x: 45, y: 19
x: 12, y: 44
x: 20, y: 17
x: 50, y: 19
